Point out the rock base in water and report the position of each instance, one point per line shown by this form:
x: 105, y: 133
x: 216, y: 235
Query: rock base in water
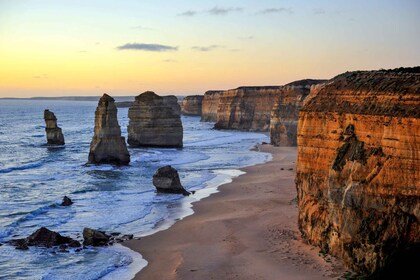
x: 166, y: 180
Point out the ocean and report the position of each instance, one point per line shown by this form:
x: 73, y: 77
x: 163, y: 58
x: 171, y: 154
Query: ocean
x: 34, y: 178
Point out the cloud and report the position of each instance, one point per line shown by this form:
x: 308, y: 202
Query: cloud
x: 140, y: 27
x: 188, y: 13
x: 169, y: 60
x: 276, y: 11
x: 147, y: 47
x: 223, y: 11
x: 246, y: 37
x: 206, y: 48
x: 319, y: 11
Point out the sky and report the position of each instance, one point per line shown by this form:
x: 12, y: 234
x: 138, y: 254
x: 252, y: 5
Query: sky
x: 88, y: 47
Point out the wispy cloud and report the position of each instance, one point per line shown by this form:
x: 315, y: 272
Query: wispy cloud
x: 216, y: 11
x: 223, y: 11
x: 246, y: 37
x: 206, y: 48
x: 276, y: 11
x: 147, y: 47
x: 188, y: 13
x: 169, y: 60
x: 318, y: 11
x: 141, y: 27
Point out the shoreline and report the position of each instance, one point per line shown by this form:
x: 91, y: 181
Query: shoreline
x: 246, y: 230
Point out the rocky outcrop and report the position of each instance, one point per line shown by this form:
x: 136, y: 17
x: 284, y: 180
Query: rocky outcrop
x: 54, y: 133
x: 44, y: 237
x: 209, y: 105
x: 285, y: 112
x: 107, y: 146
x: 191, y: 105
x: 66, y: 201
x: 92, y: 237
x: 155, y: 121
x: 358, y: 178
x: 166, y: 180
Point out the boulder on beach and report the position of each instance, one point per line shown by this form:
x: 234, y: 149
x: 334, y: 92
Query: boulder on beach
x: 54, y: 133
x: 44, y: 237
x: 108, y: 146
x: 95, y: 237
x: 166, y: 180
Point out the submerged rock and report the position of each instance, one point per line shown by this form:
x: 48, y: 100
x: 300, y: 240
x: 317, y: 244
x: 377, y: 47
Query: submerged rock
x: 108, y: 146
x: 95, y: 237
x: 166, y: 180
x: 43, y: 237
x: 155, y: 121
x: 54, y: 133
x: 66, y: 201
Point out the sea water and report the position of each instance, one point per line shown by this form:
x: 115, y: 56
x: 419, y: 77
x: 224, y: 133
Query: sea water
x: 34, y: 178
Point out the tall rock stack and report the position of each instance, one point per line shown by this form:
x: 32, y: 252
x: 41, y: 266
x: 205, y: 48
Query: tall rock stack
x: 209, y: 105
x: 107, y: 146
x: 358, y: 169
x: 285, y: 112
x: 155, y: 121
x: 192, y: 105
x: 54, y: 133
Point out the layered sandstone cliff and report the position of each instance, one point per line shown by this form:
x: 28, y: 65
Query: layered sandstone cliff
x: 107, y: 146
x: 210, y: 104
x: 54, y: 133
x: 192, y: 105
x: 285, y: 112
x: 155, y: 121
x: 358, y: 170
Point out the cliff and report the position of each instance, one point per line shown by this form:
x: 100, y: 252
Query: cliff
x: 54, y: 133
x: 155, y: 121
x: 285, y: 112
x: 210, y: 104
x: 191, y: 105
x: 107, y: 146
x: 249, y: 108
x: 358, y: 169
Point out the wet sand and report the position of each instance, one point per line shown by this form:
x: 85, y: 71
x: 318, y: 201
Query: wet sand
x: 248, y: 230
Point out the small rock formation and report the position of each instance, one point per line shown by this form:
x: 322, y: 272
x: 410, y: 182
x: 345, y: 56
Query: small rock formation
x: 66, y: 201
x: 44, y: 237
x: 209, y: 105
x: 285, y: 112
x: 54, y: 133
x: 358, y: 179
x: 95, y: 237
x: 166, y: 180
x: 155, y: 121
x: 192, y: 105
x: 107, y: 146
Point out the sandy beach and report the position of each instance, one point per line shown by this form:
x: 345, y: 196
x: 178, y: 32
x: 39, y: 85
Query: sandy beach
x: 248, y: 230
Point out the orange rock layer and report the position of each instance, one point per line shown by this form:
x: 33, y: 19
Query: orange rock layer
x: 358, y: 169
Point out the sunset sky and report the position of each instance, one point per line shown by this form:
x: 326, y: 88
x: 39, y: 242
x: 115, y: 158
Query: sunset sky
x: 87, y: 47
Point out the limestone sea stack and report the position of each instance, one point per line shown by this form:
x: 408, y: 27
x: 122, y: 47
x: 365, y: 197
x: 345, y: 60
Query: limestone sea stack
x: 209, y: 105
x: 107, y: 146
x: 54, y: 134
x: 192, y: 105
x: 285, y: 112
x: 358, y: 169
x: 155, y: 121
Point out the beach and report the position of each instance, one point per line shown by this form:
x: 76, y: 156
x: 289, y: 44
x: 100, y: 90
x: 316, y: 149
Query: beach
x: 248, y: 230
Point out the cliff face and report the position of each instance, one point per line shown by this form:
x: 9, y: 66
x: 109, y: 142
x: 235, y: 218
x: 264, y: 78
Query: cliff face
x: 107, y: 146
x: 210, y: 104
x: 155, y: 121
x: 358, y: 170
x: 285, y: 112
x: 191, y: 105
x: 54, y: 134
